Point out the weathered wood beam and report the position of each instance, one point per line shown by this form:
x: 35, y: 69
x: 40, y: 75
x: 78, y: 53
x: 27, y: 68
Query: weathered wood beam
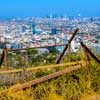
x: 40, y: 67
x: 73, y: 35
x: 89, y: 51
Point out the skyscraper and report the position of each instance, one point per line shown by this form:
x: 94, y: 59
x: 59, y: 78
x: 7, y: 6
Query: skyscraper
x: 33, y: 28
x: 53, y: 31
x: 23, y: 29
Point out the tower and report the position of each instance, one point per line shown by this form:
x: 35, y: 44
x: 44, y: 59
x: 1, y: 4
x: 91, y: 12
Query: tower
x: 53, y: 31
x: 33, y: 28
x: 23, y: 28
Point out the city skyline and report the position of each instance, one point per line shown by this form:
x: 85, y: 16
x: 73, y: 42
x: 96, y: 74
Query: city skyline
x: 30, y: 8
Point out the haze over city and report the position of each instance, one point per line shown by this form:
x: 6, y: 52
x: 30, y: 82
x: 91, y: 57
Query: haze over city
x: 39, y: 8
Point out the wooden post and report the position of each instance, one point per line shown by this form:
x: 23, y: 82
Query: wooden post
x: 5, y: 58
x: 87, y: 59
x: 89, y: 52
x: 66, y: 47
x: 2, y: 58
x: 69, y: 53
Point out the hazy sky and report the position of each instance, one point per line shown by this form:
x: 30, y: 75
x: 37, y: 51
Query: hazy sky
x: 22, y: 8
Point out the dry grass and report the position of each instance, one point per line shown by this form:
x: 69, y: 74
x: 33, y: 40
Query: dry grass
x: 82, y: 84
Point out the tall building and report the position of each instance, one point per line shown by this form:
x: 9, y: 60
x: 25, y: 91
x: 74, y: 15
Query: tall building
x: 33, y: 28
x: 53, y: 31
x: 23, y: 29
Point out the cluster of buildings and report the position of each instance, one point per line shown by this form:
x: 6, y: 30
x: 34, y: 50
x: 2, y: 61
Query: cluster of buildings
x: 30, y: 32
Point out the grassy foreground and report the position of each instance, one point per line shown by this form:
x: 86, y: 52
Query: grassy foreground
x: 83, y: 84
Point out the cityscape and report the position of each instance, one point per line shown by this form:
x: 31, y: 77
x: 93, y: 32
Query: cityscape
x: 32, y: 32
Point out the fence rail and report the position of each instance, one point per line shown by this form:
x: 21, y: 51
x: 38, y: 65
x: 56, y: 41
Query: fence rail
x: 23, y: 86
x: 41, y: 67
